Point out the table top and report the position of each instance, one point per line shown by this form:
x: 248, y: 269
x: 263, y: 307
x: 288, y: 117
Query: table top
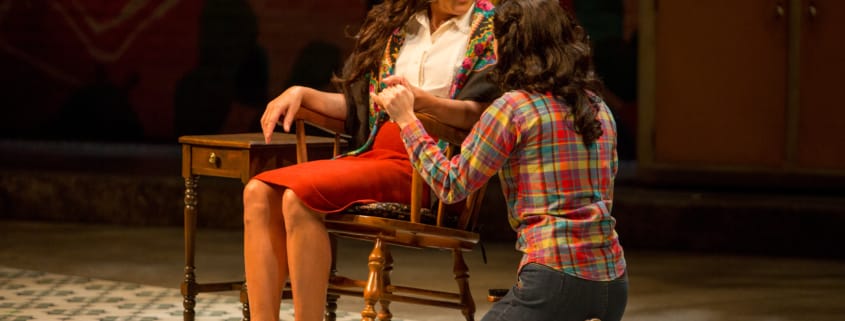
x: 251, y: 140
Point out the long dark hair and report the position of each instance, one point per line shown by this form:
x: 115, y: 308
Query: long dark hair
x: 371, y: 39
x: 542, y: 49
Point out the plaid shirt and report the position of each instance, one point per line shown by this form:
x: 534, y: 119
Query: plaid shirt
x: 559, y: 193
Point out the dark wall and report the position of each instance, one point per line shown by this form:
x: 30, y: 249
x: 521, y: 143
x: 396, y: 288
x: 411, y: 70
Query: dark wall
x: 123, y: 71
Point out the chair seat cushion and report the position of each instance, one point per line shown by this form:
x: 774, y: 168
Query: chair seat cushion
x: 400, y: 211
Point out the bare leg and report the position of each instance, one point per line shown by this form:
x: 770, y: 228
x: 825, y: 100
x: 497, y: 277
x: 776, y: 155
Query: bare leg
x: 265, y: 249
x: 309, y: 252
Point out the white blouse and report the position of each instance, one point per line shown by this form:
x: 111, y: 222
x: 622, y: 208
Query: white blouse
x: 423, y: 55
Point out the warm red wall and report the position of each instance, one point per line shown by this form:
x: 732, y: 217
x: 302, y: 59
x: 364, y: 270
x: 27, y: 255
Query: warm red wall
x: 90, y: 69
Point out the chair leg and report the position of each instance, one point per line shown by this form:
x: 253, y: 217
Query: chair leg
x: 375, y: 285
x: 331, y: 299
x: 385, y: 314
x: 461, y: 272
x: 331, y: 307
x: 244, y: 302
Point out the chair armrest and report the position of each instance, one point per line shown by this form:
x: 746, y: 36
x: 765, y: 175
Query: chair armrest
x: 434, y: 127
x: 455, y: 136
x: 329, y: 124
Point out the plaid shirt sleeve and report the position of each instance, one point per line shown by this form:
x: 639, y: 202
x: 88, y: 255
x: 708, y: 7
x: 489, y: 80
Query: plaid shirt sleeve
x: 483, y: 153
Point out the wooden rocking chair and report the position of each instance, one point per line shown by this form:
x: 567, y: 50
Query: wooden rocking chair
x: 411, y: 225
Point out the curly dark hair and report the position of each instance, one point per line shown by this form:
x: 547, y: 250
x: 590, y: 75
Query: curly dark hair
x: 371, y: 40
x: 542, y: 49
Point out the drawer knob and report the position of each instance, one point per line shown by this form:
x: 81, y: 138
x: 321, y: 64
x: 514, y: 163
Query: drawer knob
x: 213, y: 159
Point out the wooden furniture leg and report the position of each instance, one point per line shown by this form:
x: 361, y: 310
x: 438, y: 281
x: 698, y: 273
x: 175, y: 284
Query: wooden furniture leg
x: 385, y: 314
x: 331, y: 299
x: 244, y: 302
x: 331, y: 307
x: 189, y: 284
x: 460, y: 270
x: 375, y: 285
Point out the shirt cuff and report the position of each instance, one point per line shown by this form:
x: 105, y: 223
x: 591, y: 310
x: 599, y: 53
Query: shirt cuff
x: 412, y: 132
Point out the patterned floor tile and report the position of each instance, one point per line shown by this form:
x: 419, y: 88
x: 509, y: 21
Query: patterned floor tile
x: 39, y: 296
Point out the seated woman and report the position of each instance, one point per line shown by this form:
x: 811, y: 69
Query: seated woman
x: 552, y: 141
x: 444, y: 49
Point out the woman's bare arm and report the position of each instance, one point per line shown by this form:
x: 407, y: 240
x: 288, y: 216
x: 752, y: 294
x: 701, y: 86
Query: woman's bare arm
x: 456, y: 113
x: 288, y: 103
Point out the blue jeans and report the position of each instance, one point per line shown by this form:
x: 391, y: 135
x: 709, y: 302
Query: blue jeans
x: 543, y: 293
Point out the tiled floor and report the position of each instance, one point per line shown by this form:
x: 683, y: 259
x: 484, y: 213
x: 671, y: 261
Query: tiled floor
x: 664, y: 285
x: 34, y: 295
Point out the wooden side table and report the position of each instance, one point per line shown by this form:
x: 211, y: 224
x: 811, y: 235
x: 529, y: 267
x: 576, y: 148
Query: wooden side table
x: 239, y: 156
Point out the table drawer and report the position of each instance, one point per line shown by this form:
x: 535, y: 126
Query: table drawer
x: 216, y: 161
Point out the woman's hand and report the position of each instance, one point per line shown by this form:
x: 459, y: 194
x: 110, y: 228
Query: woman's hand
x: 398, y: 101
x: 456, y: 113
x: 422, y: 99
x: 286, y: 104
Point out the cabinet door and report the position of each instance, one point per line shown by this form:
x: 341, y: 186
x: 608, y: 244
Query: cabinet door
x: 720, y: 83
x: 821, y: 117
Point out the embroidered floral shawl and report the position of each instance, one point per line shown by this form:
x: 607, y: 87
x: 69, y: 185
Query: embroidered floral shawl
x: 480, y: 54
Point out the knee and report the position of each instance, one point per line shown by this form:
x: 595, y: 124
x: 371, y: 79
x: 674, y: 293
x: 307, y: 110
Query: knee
x: 257, y: 198
x: 255, y: 191
x: 291, y: 205
x: 295, y: 212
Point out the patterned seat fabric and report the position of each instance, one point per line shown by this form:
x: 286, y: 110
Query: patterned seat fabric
x: 399, y: 211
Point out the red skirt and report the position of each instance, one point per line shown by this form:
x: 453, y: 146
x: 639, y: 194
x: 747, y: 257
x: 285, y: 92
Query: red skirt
x: 382, y: 174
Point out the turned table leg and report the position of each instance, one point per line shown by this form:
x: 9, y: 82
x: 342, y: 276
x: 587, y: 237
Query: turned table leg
x: 189, y: 284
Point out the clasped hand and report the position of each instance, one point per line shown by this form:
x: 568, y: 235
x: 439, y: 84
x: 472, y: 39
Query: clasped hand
x: 397, y: 100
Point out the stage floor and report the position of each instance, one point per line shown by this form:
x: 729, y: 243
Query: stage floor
x: 663, y: 285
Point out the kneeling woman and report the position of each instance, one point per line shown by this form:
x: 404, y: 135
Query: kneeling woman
x: 552, y: 141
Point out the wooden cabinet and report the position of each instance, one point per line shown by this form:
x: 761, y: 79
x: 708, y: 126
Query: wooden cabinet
x: 749, y: 86
x: 821, y: 114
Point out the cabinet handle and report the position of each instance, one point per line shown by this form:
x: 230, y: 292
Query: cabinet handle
x: 780, y: 11
x: 213, y: 159
x: 812, y: 11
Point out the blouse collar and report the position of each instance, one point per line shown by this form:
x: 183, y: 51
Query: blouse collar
x: 463, y: 22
